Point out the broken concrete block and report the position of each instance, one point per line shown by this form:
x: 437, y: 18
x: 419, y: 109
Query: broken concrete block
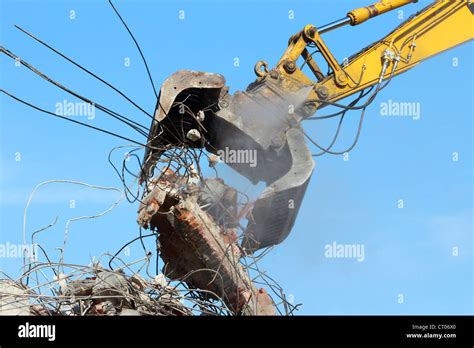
x: 199, y: 244
x: 14, y: 299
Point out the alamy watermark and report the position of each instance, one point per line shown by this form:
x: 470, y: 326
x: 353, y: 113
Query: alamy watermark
x: 242, y: 156
x: 11, y: 250
x: 68, y: 108
x: 346, y: 251
x: 28, y: 330
x: 392, y: 108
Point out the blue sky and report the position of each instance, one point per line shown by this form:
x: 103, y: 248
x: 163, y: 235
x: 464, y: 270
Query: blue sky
x: 408, y: 251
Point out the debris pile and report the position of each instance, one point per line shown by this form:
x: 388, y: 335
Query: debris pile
x: 196, y: 223
x: 100, y: 292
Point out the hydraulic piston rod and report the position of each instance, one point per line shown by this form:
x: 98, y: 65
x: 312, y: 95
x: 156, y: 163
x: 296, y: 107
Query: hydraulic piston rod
x: 360, y: 15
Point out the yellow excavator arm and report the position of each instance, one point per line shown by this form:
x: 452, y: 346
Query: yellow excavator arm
x: 440, y: 26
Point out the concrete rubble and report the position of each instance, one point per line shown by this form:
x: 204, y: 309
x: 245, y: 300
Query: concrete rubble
x: 106, y: 293
x: 13, y: 299
x: 197, y: 226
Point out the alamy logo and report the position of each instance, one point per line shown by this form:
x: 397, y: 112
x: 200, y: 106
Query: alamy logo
x: 246, y: 156
x: 10, y: 250
x: 67, y: 108
x: 346, y: 251
x: 37, y: 331
x: 400, y: 109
